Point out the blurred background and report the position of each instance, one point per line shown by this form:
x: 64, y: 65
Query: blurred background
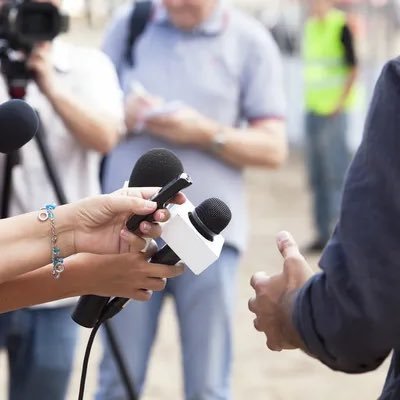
x: 278, y: 200
x: 375, y: 25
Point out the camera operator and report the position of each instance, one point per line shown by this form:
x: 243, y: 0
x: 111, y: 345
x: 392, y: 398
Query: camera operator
x: 76, y: 93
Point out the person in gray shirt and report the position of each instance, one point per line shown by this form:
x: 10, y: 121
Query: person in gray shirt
x: 206, y: 84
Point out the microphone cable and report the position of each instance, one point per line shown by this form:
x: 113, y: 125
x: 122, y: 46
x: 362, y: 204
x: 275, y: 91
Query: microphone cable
x: 107, y: 314
x: 86, y: 360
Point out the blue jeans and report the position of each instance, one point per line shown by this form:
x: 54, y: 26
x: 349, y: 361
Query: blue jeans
x: 204, y: 306
x: 40, y: 344
x: 328, y: 158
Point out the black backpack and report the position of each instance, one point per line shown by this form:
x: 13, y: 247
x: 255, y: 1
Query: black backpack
x: 140, y: 16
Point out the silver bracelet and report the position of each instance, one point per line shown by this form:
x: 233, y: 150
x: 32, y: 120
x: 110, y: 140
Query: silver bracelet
x: 47, y: 213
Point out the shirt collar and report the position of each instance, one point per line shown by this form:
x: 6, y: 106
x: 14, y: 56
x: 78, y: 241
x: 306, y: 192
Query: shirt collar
x: 214, y: 25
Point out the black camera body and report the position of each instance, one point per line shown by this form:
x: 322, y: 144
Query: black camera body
x: 24, y: 23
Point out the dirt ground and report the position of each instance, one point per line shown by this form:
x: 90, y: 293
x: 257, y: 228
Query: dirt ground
x: 277, y: 200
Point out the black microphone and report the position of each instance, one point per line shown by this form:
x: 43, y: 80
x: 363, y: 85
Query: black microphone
x: 209, y: 219
x: 18, y: 125
x: 157, y: 167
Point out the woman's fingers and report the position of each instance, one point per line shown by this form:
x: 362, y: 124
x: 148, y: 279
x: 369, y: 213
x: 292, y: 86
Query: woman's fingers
x: 150, y: 230
x: 155, y: 284
x: 166, y: 271
x: 127, y: 275
x: 141, y: 192
x: 132, y: 241
x: 147, y: 193
x: 162, y: 215
x: 142, y: 295
x: 118, y: 204
x: 151, y: 249
x: 179, y: 198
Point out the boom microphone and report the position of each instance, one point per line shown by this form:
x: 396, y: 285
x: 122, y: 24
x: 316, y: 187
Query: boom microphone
x: 18, y: 125
x: 157, y: 167
x: 208, y: 219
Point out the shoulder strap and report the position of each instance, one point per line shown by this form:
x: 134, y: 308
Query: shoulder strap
x: 137, y: 24
x: 140, y: 16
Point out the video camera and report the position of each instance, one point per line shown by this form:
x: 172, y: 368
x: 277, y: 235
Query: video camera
x: 24, y: 23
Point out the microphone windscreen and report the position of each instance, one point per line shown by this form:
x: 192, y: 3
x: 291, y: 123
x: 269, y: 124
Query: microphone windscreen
x: 214, y: 214
x: 157, y: 167
x: 18, y: 125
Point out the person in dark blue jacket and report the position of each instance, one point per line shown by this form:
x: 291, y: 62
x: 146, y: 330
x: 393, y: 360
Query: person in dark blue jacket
x: 348, y: 314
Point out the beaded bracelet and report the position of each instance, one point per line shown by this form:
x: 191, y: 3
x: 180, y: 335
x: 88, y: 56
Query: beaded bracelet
x: 47, y: 213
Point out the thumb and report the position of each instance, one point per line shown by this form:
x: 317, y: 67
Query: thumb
x: 296, y: 268
x: 287, y: 245
x: 120, y: 204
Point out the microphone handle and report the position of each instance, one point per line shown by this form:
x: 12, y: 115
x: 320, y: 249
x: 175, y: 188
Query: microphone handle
x: 165, y: 194
x: 164, y: 256
x: 88, y: 310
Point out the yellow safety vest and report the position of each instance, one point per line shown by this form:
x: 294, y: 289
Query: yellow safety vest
x: 325, y: 71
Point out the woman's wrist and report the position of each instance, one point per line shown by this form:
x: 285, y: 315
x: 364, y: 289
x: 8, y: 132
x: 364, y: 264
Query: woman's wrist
x: 86, y: 271
x: 65, y: 224
x: 78, y: 276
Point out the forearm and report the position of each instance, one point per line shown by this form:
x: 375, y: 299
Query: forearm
x: 337, y: 331
x: 92, y: 130
x: 40, y: 287
x: 25, y: 242
x: 256, y: 146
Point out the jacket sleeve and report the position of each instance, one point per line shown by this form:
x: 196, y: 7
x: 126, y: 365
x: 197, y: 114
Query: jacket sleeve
x: 348, y: 315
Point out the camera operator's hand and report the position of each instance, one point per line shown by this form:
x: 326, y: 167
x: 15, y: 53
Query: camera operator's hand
x: 40, y: 63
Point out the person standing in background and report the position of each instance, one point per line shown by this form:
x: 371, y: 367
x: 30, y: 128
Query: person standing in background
x: 330, y: 71
x: 77, y: 95
x: 208, y: 83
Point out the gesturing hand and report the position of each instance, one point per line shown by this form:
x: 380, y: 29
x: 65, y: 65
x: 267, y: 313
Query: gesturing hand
x: 274, y: 297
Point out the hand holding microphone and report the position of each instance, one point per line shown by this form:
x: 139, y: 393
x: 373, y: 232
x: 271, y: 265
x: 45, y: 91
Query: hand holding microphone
x: 157, y: 167
x: 199, y: 226
x: 203, y: 223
